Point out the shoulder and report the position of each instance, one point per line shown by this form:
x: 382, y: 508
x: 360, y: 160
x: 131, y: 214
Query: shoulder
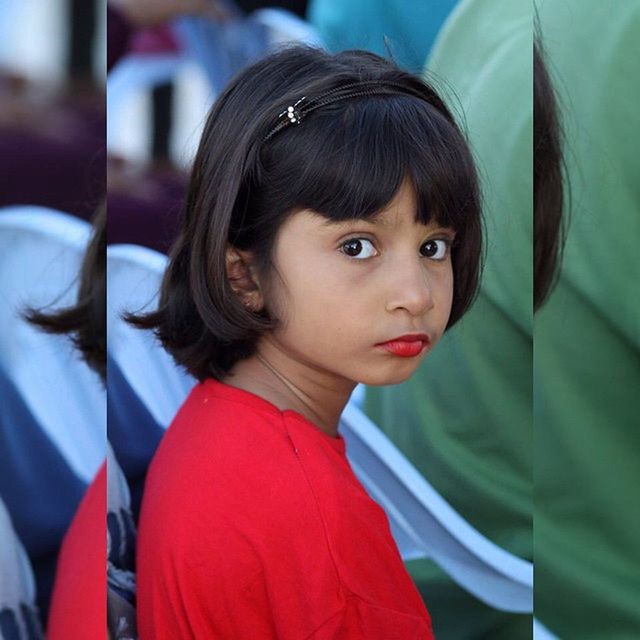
x: 227, y: 503
x: 225, y: 464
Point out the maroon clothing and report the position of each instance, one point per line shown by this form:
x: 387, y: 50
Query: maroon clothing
x: 119, y: 32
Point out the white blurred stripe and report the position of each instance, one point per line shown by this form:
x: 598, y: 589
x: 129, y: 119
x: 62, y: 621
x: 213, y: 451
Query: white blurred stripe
x: 33, y: 37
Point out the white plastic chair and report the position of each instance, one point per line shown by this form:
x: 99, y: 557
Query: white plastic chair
x: 41, y: 252
x: 424, y: 525
x: 135, y: 75
x: 422, y: 522
x: 133, y: 279
x: 540, y: 632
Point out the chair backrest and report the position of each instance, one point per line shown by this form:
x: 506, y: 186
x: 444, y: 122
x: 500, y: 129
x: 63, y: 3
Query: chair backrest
x: 136, y: 74
x: 41, y: 253
x: 146, y: 388
x: 423, y: 523
x: 540, y: 632
x: 133, y: 279
x: 38, y: 487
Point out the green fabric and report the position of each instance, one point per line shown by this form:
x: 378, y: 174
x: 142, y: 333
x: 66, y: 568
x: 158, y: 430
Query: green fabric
x: 401, y: 29
x: 465, y: 418
x: 587, y: 338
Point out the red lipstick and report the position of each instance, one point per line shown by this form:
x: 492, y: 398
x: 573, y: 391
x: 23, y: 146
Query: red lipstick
x: 407, y: 346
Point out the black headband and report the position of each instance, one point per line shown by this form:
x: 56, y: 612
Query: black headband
x: 294, y: 113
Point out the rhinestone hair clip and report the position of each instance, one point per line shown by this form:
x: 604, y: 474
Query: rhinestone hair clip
x: 297, y: 111
x: 292, y: 112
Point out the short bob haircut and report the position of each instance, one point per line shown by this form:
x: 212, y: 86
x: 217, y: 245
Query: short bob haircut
x: 345, y: 160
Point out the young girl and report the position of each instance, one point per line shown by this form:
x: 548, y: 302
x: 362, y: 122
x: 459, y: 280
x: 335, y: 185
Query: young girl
x: 332, y: 233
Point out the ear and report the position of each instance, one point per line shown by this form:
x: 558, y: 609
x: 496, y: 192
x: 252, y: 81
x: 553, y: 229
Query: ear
x: 243, y: 277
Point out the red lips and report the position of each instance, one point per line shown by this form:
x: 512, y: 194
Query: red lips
x: 406, y: 346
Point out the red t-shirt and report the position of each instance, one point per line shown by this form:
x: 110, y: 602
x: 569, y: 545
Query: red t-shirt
x: 79, y: 599
x: 253, y: 526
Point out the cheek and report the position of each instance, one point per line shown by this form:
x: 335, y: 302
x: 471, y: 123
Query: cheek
x: 317, y: 302
x: 445, y: 294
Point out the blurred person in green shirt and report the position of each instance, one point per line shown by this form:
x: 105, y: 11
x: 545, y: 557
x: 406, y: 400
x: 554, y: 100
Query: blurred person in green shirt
x: 587, y: 337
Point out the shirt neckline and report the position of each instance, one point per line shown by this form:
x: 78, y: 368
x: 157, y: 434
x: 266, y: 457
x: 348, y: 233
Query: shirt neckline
x: 229, y: 392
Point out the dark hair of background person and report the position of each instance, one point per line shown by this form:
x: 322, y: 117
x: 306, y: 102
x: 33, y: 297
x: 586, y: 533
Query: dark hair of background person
x: 82, y: 17
x: 298, y: 7
x: 346, y: 160
x: 84, y: 322
x: 548, y: 182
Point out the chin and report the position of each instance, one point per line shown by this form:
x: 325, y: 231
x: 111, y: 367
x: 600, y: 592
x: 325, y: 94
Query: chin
x: 383, y: 378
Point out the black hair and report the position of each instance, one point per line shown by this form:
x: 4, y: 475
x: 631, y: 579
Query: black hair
x: 85, y: 321
x: 345, y: 160
x: 548, y: 182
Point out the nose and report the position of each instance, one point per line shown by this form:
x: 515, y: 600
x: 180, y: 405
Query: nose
x: 410, y: 289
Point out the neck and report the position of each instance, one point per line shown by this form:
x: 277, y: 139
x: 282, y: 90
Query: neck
x: 318, y: 395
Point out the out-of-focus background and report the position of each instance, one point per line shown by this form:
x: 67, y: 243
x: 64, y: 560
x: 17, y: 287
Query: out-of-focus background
x: 52, y: 180
x: 52, y: 115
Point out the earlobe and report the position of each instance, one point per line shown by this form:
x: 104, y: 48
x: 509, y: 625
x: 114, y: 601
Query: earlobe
x: 243, y: 278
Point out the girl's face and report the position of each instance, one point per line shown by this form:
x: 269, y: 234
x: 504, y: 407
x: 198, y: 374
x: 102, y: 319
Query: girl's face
x: 341, y: 289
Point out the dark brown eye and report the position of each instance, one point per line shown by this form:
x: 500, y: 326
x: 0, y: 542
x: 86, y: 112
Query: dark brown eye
x: 435, y: 249
x: 353, y: 248
x: 360, y: 248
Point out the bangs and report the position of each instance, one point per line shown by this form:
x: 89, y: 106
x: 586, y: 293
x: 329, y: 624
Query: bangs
x: 348, y: 160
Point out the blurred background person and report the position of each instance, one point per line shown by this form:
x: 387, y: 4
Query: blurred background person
x: 52, y: 162
x: 168, y: 60
x: 587, y: 335
x: 52, y: 105
x: 146, y: 186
